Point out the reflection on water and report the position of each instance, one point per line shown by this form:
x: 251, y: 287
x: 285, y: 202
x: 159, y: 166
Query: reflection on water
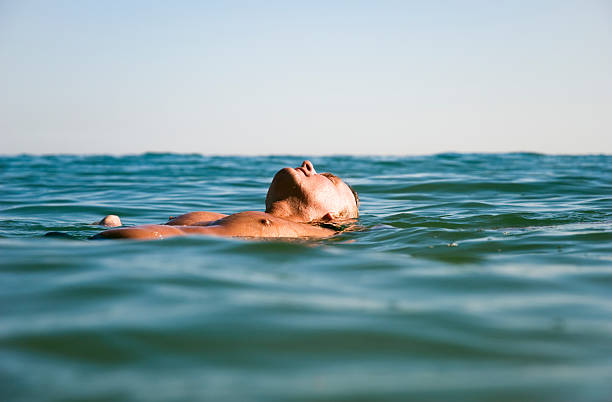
x: 476, y: 277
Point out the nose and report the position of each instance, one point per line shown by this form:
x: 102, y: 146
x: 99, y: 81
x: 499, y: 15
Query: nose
x: 309, y: 169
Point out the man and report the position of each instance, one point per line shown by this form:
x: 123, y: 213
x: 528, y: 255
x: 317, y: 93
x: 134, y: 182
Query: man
x: 299, y: 203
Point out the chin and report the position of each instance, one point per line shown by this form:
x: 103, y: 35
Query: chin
x: 286, y: 176
x: 283, y: 184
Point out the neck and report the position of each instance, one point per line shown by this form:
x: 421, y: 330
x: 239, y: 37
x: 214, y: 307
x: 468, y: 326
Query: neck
x: 284, y: 211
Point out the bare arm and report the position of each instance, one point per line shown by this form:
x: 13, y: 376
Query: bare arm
x: 156, y: 232
x: 198, y: 218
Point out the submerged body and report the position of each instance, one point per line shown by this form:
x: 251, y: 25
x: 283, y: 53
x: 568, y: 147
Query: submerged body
x: 243, y: 224
x: 298, y: 201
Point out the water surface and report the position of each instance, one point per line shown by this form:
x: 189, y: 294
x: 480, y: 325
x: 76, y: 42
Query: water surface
x: 476, y: 277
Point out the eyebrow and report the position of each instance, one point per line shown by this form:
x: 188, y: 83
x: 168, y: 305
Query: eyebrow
x: 329, y: 176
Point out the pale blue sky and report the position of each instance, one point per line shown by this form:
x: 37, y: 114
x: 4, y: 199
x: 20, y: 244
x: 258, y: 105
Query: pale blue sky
x: 311, y: 77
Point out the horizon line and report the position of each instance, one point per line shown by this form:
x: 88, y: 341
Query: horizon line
x: 301, y: 154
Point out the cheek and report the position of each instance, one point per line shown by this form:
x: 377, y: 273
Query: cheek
x: 328, y: 200
x: 347, y: 200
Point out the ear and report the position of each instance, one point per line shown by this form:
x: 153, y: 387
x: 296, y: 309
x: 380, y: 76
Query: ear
x: 330, y: 216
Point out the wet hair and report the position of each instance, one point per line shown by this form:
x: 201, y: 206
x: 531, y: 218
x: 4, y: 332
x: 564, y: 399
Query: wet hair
x: 328, y: 175
x: 354, y: 195
x: 341, y: 227
x: 336, y: 227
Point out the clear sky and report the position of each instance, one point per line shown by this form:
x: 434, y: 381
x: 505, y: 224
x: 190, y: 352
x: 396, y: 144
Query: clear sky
x: 308, y: 77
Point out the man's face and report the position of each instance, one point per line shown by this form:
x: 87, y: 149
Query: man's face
x: 305, y: 196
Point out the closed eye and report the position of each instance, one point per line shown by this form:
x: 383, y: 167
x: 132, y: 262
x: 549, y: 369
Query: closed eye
x: 330, y: 176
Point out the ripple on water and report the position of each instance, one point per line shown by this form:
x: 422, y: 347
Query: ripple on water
x: 474, y: 277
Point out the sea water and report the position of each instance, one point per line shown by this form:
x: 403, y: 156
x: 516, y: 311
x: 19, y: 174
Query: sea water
x: 473, y: 277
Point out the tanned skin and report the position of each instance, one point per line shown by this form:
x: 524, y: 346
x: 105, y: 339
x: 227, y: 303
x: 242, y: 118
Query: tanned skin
x: 297, y: 201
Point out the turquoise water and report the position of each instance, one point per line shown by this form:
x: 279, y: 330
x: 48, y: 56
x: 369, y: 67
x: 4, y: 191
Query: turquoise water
x: 476, y: 277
